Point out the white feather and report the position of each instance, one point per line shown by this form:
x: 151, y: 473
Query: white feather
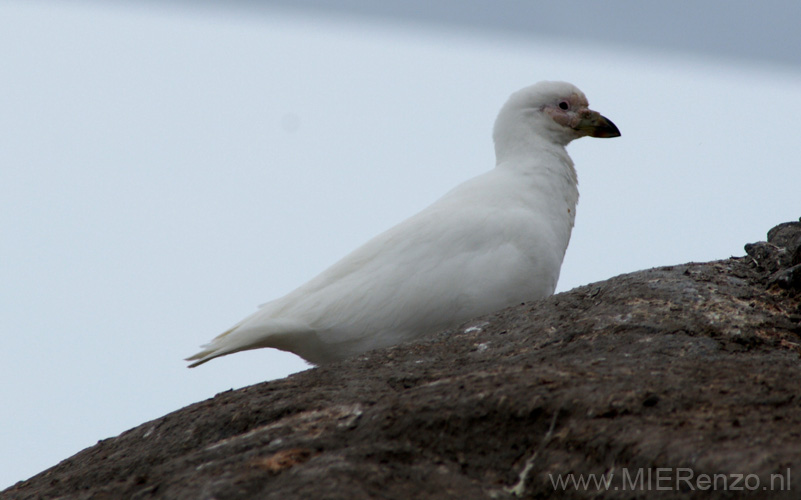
x: 491, y: 242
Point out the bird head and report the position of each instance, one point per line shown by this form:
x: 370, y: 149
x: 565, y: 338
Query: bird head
x: 555, y: 111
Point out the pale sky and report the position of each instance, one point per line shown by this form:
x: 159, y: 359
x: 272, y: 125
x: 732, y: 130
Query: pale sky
x: 166, y: 170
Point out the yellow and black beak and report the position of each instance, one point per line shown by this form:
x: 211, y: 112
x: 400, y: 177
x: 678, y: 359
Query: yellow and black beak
x: 594, y: 124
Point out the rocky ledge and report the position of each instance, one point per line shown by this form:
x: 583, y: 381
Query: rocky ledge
x: 679, y: 381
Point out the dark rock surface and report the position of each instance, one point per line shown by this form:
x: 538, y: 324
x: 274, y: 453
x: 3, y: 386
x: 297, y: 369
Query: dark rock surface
x: 668, y: 372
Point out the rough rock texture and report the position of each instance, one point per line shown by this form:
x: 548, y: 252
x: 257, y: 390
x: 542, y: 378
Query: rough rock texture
x: 679, y: 370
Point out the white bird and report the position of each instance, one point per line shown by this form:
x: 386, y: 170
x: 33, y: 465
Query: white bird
x: 493, y: 241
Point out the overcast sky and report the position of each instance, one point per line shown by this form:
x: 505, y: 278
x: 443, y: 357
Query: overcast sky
x: 741, y: 29
x: 165, y: 169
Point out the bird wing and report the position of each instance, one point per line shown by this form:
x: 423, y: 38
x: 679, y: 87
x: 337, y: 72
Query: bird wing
x: 456, y: 259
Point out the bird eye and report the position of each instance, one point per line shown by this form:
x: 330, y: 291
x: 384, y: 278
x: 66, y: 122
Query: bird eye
x: 564, y: 105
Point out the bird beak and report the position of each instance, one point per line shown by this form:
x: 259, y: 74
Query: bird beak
x: 594, y: 124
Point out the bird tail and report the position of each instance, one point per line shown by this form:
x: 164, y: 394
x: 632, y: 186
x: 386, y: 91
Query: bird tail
x: 280, y: 334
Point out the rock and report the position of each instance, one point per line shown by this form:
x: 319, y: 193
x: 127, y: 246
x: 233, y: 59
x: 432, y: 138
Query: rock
x: 681, y: 378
